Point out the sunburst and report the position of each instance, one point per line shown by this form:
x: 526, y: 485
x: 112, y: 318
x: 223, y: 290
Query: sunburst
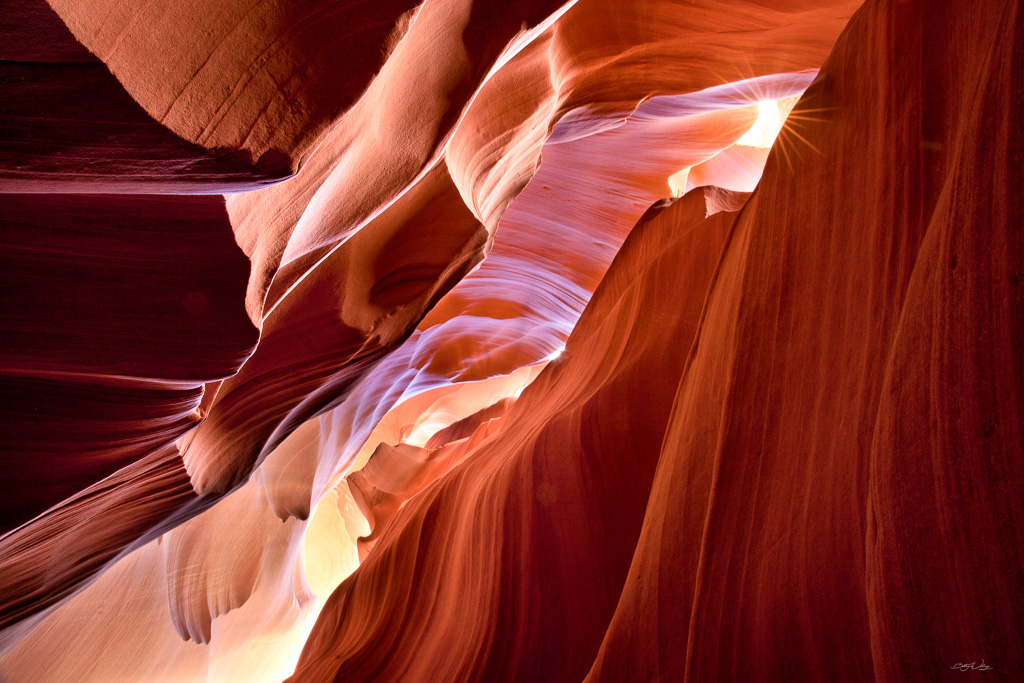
x: 792, y: 136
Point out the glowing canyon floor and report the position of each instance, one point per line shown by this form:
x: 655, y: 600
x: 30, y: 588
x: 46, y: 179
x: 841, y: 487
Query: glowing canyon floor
x: 511, y: 340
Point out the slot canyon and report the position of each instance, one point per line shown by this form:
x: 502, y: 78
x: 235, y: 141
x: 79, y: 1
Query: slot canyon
x: 601, y: 341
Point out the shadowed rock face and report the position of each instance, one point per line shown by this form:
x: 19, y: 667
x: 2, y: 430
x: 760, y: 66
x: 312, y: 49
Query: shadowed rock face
x: 533, y: 341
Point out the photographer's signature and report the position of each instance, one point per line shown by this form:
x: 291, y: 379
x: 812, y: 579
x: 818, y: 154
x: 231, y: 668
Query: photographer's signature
x: 973, y: 666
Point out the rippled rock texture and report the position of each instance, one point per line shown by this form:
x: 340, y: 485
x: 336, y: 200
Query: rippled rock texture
x: 519, y: 340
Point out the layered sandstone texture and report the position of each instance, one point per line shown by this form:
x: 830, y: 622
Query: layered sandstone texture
x: 515, y: 340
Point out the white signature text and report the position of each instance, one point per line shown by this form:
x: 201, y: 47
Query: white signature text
x: 973, y: 666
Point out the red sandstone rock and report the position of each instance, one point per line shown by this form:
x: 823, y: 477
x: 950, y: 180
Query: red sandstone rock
x: 782, y: 440
x: 821, y: 483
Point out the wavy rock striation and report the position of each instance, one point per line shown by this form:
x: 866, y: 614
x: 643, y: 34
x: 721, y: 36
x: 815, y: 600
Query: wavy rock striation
x: 444, y: 389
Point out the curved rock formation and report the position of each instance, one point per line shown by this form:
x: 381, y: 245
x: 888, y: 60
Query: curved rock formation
x: 446, y: 388
x: 820, y: 479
